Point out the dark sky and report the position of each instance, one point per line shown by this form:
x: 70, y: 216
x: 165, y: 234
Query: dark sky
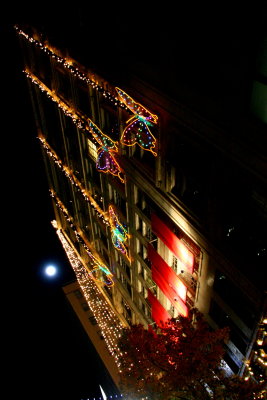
x: 48, y: 355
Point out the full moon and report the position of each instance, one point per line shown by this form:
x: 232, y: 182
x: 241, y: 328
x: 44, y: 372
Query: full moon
x: 50, y: 270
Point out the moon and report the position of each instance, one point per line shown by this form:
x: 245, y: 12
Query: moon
x: 50, y: 270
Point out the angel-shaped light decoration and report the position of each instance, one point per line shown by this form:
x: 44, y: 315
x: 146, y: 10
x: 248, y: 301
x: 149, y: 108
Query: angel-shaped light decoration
x: 106, y: 161
x: 137, y: 129
x: 118, y: 232
x: 100, y: 273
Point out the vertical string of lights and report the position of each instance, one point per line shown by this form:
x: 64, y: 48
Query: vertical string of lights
x: 109, y: 323
x: 106, y: 161
x: 68, y: 63
x: 73, y: 179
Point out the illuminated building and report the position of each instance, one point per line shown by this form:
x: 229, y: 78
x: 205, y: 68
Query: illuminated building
x: 158, y: 207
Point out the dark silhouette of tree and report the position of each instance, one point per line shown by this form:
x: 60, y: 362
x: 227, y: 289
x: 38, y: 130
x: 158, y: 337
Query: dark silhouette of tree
x: 181, y: 360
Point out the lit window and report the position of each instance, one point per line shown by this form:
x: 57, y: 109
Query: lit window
x: 92, y: 150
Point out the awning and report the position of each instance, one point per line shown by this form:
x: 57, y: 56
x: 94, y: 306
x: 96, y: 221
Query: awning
x: 166, y: 279
x: 169, y: 238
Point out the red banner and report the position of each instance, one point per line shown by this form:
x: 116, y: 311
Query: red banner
x: 173, y: 243
x: 168, y: 281
x: 159, y: 314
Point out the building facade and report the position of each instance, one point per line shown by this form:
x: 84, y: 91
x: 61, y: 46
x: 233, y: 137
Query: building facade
x: 158, y: 208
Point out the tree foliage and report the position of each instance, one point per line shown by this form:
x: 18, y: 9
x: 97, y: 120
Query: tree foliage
x: 180, y: 361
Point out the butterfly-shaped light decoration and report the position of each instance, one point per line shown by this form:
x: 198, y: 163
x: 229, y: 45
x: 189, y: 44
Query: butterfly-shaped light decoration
x: 118, y: 232
x: 106, y: 161
x: 100, y: 273
x: 137, y: 129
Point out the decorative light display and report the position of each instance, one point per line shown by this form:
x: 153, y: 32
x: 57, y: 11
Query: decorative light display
x: 73, y: 179
x: 106, y: 161
x: 71, y: 65
x: 107, y: 279
x: 119, y: 234
x: 68, y: 111
x: 99, y: 272
x: 137, y: 129
x: 109, y: 323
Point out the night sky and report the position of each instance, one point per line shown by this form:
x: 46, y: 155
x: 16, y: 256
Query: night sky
x: 48, y: 355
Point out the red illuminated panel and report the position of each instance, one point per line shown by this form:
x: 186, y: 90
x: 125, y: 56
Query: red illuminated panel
x: 159, y: 314
x: 173, y: 242
x: 168, y: 281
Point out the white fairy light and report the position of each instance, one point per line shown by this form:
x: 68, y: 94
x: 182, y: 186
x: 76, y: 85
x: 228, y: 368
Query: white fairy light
x: 109, y: 323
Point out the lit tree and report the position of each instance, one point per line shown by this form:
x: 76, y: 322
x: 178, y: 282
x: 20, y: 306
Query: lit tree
x: 182, y: 360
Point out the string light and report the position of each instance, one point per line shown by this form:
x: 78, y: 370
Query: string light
x: 73, y: 67
x: 97, y: 264
x: 137, y: 127
x: 108, y: 321
x: 118, y: 232
x: 106, y: 161
x: 256, y: 366
x: 73, y: 179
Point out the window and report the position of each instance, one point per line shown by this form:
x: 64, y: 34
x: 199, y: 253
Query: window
x: 100, y: 335
x: 222, y: 319
x: 93, y: 320
x: 92, y: 149
x: 233, y: 296
x: 85, y: 306
x: 78, y: 294
x: 117, y: 198
x: 127, y: 312
x: 138, y: 222
x: 83, y: 99
x: 141, y: 289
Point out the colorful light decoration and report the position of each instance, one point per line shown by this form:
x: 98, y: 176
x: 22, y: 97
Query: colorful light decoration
x: 107, y: 279
x: 137, y: 129
x: 106, y: 161
x: 100, y: 272
x: 119, y: 234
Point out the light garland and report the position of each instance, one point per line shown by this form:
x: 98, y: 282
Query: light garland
x: 258, y: 359
x: 137, y: 129
x: 73, y: 179
x: 119, y: 234
x: 106, y: 161
x: 68, y: 63
x: 109, y: 323
x: 99, y: 268
x: 68, y: 111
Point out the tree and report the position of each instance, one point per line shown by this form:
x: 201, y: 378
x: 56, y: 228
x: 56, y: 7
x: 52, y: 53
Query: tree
x: 181, y: 360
